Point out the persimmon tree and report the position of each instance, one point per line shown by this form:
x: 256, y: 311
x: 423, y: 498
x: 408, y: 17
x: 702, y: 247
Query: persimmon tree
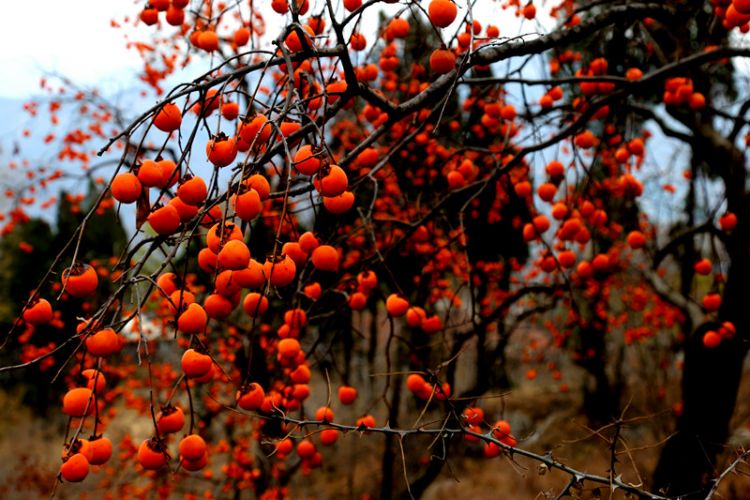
x: 343, y: 206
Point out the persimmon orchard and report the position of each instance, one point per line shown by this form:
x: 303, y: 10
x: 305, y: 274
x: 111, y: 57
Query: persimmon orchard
x: 346, y: 226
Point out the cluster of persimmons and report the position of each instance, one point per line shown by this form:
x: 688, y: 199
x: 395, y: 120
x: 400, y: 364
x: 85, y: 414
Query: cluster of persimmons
x: 271, y: 163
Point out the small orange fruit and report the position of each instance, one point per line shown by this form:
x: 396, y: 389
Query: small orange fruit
x: 80, y: 280
x: 195, y: 364
x: 192, y: 447
x: 442, y: 12
x: 170, y: 419
x: 234, y: 255
x: 104, y: 343
x: 193, y: 320
x: 79, y: 402
x: 152, y: 454
x: 165, y: 220
x: 251, y: 397
x: 168, y: 118
x: 126, y: 188
x: 326, y: 258
x: 396, y: 305
x: 193, y: 191
x: 38, y: 313
x: 75, y: 469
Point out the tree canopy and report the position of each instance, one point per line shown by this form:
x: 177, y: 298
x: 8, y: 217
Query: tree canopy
x: 362, y: 217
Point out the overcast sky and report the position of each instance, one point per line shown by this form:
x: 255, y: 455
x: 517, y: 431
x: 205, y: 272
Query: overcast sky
x: 74, y: 38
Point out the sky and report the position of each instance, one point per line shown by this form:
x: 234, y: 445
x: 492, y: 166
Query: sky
x: 73, y: 38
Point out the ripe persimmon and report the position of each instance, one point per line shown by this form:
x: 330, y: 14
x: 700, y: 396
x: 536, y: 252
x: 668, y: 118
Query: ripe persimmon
x: 366, y: 421
x: 252, y: 277
x: 126, y: 188
x: 326, y: 258
x: 307, y: 161
x: 328, y: 437
x: 280, y: 272
x: 529, y: 11
x: 546, y: 191
x: 357, y: 42
x: 101, y: 450
x: 208, y: 40
x: 473, y: 415
x: 255, y: 304
x: 219, y: 235
x: 352, y: 5
x: 415, y: 316
x: 217, y: 306
x: 221, y: 150
x: 305, y: 449
x: 75, y: 468
x: 301, y: 375
x: 396, y: 305
x: 149, y: 16
x: 226, y: 284
x: 175, y: 16
x: 358, y: 301
x: 331, y: 181
x: 432, y: 324
x: 240, y: 38
x: 255, y: 131
x: 251, y: 398
x: 207, y: 260
x: 150, y: 174
x: 728, y: 221
x: 165, y: 220
x: 442, y: 12
x: 193, y: 320
x: 94, y: 378
x: 195, y: 364
x: 186, y: 212
x: 347, y: 395
x: 442, y: 61
x: 585, y: 139
x: 104, y: 343
x: 170, y: 419
x: 289, y: 348
x: 234, y: 255
x: 79, y: 402
x: 193, y: 191
x: 398, y: 28
x: 308, y: 242
x: 80, y: 280
x: 703, y: 267
x: 711, y: 302
x: 636, y: 240
x: 247, y: 205
x: 192, y: 447
x: 295, y: 43
x: 152, y: 454
x: 194, y: 465
x: 415, y: 382
x: 170, y: 173
x: 313, y: 291
x: 168, y: 118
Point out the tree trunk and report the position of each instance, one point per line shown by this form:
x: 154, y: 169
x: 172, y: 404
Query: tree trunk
x: 601, y: 400
x: 711, y: 377
x: 389, y: 450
